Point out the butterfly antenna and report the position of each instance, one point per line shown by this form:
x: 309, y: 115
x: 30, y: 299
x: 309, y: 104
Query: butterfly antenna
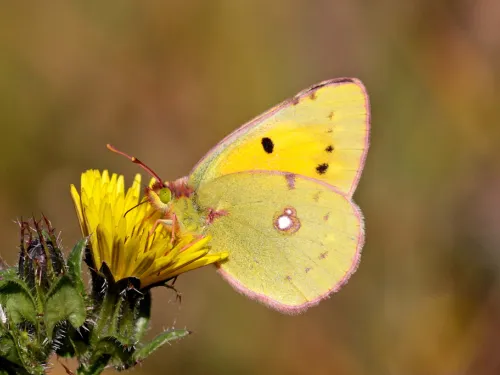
x: 133, y: 159
x: 137, y: 205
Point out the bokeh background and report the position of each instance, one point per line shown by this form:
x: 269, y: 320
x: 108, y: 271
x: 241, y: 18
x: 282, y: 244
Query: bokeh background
x: 165, y: 80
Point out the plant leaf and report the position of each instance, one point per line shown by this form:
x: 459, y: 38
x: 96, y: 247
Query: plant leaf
x: 16, y: 299
x: 64, y: 302
x: 75, y: 259
x: 158, y: 341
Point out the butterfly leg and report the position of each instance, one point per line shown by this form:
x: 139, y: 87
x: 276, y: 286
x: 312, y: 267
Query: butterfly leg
x: 178, y: 295
x: 175, y: 226
x: 170, y: 224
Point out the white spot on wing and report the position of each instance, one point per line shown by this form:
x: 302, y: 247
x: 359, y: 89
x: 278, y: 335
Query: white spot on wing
x: 284, y: 222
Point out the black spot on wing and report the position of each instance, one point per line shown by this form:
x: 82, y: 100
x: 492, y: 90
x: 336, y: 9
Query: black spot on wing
x: 322, y: 168
x: 267, y: 145
x: 329, y: 148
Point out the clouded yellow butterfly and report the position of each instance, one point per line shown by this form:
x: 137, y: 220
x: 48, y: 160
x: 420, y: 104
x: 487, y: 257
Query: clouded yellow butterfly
x: 277, y: 195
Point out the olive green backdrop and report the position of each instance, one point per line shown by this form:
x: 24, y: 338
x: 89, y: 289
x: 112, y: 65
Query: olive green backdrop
x: 165, y: 80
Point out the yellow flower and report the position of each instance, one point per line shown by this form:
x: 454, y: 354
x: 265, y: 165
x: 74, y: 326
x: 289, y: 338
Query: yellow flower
x: 122, y: 238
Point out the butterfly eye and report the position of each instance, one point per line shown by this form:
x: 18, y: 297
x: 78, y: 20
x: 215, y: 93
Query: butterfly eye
x: 165, y: 195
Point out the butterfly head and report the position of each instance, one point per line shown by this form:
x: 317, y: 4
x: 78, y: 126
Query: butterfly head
x: 160, y: 194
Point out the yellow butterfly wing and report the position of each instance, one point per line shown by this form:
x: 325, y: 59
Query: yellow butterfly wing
x: 321, y: 133
x: 292, y: 240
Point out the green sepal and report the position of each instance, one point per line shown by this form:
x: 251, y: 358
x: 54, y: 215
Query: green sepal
x: 16, y: 299
x: 143, y: 316
x: 124, y: 311
x: 167, y: 336
x: 107, y: 349
x: 135, y: 307
x: 75, y: 265
x: 123, y: 322
x: 98, y: 281
x: 64, y: 302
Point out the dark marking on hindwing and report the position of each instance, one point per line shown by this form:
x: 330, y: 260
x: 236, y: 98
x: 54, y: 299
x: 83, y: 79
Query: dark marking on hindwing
x: 330, y: 115
x: 323, y: 255
x: 290, y: 180
x: 313, y: 95
x: 329, y: 148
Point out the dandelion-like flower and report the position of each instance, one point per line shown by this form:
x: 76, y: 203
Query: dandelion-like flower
x: 128, y: 240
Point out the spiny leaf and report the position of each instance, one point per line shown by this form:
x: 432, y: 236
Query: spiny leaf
x: 158, y: 341
x: 75, y: 265
x: 16, y: 299
x: 64, y: 302
x: 107, y: 350
x: 143, y: 316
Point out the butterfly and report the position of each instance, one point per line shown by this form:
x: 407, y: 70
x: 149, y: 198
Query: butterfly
x: 276, y: 194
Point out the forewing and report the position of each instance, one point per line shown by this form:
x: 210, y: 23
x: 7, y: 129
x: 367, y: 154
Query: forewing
x: 321, y: 133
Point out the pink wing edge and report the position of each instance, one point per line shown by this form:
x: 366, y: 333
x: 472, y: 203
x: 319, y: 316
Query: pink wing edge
x: 264, y: 116
x: 298, y: 309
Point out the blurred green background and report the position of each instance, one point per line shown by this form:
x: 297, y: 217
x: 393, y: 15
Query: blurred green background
x: 166, y: 80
